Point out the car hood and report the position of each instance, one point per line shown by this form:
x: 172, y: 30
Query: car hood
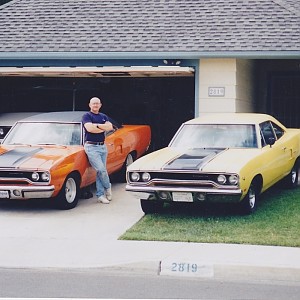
x: 204, y: 160
x: 32, y: 157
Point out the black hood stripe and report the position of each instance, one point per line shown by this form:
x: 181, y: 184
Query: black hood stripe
x: 193, y: 159
x: 15, y: 157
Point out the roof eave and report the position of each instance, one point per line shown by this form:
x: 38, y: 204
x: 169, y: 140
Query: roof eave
x: 150, y: 55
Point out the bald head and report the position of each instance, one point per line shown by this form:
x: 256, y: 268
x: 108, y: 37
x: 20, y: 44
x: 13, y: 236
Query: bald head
x: 95, y: 100
x: 95, y: 105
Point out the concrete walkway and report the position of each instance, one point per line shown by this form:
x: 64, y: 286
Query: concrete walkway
x: 33, y: 235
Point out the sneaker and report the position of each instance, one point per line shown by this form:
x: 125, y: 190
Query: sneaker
x: 108, y: 194
x: 103, y: 200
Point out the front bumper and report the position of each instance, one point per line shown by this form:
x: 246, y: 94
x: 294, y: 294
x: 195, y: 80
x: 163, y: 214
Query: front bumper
x: 198, y: 194
x: 25, y: 192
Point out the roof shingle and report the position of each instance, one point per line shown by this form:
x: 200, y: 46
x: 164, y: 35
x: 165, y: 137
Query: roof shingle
x: 149, y: 25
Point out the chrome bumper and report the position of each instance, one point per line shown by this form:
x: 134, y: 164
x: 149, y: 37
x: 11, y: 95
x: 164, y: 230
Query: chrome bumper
x: 211, y: 195
x: 25, y: 192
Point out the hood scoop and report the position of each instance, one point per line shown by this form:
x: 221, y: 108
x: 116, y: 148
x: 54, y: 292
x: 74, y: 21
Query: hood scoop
x: 15, y: 157
x: 193, y: 159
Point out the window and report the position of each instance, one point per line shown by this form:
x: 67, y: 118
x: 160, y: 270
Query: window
x: 278, y: 131
x: 216, y: 136
x: 267, y: 133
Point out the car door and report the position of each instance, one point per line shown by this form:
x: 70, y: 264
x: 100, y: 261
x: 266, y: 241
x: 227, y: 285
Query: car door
x: 275, y: 156
x: 287, y: 145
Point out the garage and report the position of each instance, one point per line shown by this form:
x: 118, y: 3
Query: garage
x: 55, y: 57
x: 162, y: 97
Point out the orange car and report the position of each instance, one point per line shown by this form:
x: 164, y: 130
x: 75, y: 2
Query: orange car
x: 43, y: 156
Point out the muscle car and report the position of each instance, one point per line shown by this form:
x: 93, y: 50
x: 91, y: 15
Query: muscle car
x: 43, y: 156
x: 231, y: 158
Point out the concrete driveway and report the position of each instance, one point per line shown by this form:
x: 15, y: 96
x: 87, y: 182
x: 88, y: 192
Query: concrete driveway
x: 34, y: 235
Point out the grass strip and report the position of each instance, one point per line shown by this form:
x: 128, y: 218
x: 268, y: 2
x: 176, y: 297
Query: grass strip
x: 276, y: 222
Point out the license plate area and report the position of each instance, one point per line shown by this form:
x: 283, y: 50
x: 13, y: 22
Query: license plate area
x: 182, y: 197
x: 4, y: 194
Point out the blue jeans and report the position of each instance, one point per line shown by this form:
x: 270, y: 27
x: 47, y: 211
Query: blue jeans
x: 97, y: 155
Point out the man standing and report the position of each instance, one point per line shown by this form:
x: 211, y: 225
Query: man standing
x: 95, y: 124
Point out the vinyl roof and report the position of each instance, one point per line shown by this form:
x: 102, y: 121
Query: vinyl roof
x: 61, y: 116
x: 149, y: 26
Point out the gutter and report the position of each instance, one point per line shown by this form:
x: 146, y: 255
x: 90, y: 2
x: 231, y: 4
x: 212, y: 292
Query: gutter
x: 150, y: 55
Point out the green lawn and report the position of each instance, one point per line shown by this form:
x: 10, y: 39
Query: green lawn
x: 276, y: 222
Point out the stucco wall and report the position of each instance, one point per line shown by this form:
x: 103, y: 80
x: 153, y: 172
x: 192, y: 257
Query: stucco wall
x: 245, y: 100
x: 235, y: 76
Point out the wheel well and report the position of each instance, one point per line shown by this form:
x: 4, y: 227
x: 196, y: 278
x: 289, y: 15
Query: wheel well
x: 77, y: 176
x: 134, y: 154
x: 297, y: 163
x: 258, y: 182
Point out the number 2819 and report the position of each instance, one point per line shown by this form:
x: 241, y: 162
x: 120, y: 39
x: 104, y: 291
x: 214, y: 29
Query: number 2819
x: 184, y: 267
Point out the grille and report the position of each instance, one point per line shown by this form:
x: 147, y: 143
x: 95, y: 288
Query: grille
x: 183, y: 176
x: 15, y: 175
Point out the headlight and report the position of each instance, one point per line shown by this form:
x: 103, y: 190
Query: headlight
x: 35, y: 176
x: 41, y: 176
x: 45, y: 176
x: 233, y: 179
x: 221, y: 179
x: 146, y: 177
x: 135, y: 176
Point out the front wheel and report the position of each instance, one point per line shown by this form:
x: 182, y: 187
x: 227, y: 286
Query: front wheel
x: 69, y: 194
x: 151, y: 206
x: 292, y: 179
x: 249, y: 203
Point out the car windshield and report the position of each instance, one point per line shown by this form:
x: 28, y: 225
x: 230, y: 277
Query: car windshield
x: 215, y: 136
x: 45, y: 134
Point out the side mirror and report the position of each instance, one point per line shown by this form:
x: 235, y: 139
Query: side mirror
x: 271, y: 141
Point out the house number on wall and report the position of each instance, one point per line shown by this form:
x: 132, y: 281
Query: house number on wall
x: 216, y: 91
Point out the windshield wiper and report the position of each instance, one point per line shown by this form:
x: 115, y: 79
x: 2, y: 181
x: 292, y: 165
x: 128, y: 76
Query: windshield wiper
x: 19, y: 144
x: 51, y: 144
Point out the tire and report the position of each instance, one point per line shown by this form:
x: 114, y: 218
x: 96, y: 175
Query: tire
x: 249, y: 203
x: 291, y: 181
x: 69, y: 193
x: 151, y: 206
x: 128, y: 161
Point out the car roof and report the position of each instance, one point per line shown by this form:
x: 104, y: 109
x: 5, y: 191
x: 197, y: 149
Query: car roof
x: 9, y: 118
x: 61, y: 116
x: 231, y: 118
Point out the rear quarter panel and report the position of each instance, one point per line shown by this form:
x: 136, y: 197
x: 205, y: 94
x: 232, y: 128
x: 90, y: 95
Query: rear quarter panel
x: 128, y: 139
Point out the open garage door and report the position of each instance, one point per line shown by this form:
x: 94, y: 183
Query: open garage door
x: 133, y: 71
x: 162, y: 96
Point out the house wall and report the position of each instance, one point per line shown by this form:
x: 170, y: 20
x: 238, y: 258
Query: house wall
x: 245, y: 86
x: 235, y: 76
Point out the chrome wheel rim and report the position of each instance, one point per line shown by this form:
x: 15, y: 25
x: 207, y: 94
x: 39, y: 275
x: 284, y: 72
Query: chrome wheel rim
x: 294, y: 175
x: 129, y: 160
x: 252, y: 198
x: 70, y: 190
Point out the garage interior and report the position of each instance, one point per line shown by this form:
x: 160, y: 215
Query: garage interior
x: 277, y: 86
x: 161, y: 101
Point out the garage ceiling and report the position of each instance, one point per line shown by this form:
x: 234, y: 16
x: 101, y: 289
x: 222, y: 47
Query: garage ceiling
x: 133, y: 71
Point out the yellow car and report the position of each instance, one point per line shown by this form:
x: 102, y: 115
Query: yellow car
x: 231, y: 157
